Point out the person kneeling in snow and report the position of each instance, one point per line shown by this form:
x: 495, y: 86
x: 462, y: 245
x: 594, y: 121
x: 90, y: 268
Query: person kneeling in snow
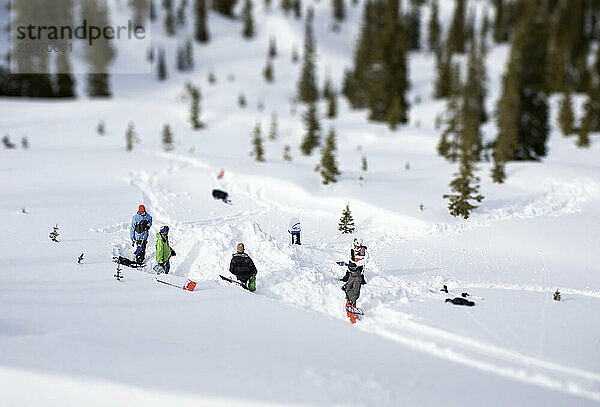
x: 243, y: 268
x: 164, y: 252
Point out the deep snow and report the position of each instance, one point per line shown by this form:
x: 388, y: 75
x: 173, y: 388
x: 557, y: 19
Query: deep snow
x: 71, y: 333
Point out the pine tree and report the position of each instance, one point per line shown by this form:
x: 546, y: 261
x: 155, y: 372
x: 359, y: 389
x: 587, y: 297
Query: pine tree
x: 189, y: 55
x: 433, y: 34
x: 592, y: 105
x: 565, y: 116
x: 161, y: 67
x: 212, y: 79
x: 100, y: 129
x: 307, y: 85
x: 273, y: 128
x: 24, y: 143
x: 225, y: 7
x: 338, y: 10
x: 456, y: 35
x: 413, y: 32
x: 167, y: 138
x: 286, y: 153
x: 583, y: 135
x: 130, y: 137
x: 242, y: 101
x: 499, y: 34
x: 272, y: 48
x: 466, y: 189
x: 195, y: 97
x: 169, y: 19
x: 328, y: 167
x: 332, y: 104
x: 248, y: 19
x: 185, y: 57
x: 473, y: 95
x: 200, y: 29
x: 389, y: 72
x: 102, y: 53
x: 346, y: 224
x: 64, y: 80
x: 181, y: 12
x: 366, y: 57
x: 443, y: 67
x: 327, y: 88
x: 297, y: 7
x: 453, y: 120
x: 54, y: 234
x: 312, y: 138
x: 569, y: 44
x: 286, y: 6
x: 363, y: 164
x: 467, y: 141
x: 268, y: 72
x: 257, y: 143
x: 522, y: 111
x: 180, y: 63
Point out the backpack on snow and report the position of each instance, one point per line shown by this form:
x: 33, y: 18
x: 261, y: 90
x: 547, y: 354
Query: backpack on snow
x: 252, y: 283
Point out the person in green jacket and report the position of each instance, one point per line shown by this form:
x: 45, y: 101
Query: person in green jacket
x: 164, y: 252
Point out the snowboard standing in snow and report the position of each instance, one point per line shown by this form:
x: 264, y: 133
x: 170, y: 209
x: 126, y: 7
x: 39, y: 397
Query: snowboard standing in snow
x: 294, y: 230
x: 243, y: 268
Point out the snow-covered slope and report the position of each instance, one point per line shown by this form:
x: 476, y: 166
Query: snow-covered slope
x: 70, y: 332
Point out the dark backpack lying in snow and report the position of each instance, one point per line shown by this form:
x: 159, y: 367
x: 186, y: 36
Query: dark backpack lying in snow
x: 126, y: 262
x: 222, y: 195
x: 460, y: 301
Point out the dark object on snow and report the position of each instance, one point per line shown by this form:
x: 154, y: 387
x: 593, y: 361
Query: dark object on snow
x: 465, y: 295
x: 444, y: 289
x: 222, y: 195
x: 118, y: 276
x: 460, y: 301
x: 140, y: 251
x: 230, y: 280
x: 354, y: 282
x: 126, y: 262
x: 556, y: 295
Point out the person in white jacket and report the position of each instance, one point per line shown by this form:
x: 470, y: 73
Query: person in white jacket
x: 359, y: 257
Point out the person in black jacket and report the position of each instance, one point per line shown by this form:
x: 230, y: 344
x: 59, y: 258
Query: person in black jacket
x: 242, y: 265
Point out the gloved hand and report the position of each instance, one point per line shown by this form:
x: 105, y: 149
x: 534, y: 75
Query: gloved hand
x: 344, y: 288
x: 173, y: 254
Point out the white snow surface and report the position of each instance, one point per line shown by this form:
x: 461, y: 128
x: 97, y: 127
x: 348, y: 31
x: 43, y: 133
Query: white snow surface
x: 70, y: 334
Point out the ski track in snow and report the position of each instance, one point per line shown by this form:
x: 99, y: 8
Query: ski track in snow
x: 307, y: 277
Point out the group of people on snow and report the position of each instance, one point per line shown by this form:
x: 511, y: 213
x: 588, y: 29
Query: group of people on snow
x: 140, y: 226
x: 241, y: 264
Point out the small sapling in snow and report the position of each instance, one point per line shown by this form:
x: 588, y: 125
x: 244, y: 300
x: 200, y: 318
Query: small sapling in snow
x: 54, y: 234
